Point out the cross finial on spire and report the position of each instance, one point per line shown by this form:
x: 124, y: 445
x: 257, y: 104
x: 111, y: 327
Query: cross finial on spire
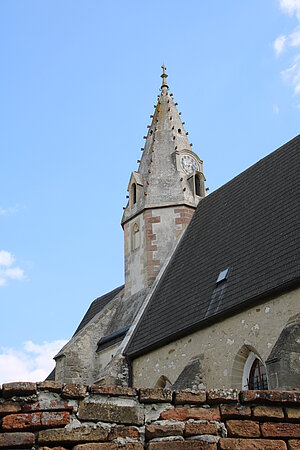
x: 164, y: 77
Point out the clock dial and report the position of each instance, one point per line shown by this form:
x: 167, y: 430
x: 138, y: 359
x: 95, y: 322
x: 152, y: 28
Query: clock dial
x: 189, y: 164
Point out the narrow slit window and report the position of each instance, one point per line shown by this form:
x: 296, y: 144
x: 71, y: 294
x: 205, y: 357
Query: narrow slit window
x: 133, y: 192
x: 197, y: 185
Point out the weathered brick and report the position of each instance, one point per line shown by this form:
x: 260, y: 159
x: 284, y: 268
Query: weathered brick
x: 243, y: 428
x: 50, y: 386
x: 20, y: 389
x: 272, y: 429
x: 222, y: 396
x: 292, y: 413
x: 196, y: 428
x: 184, y: 414
x: 52, y: 448
x: 9, y: 408
x: 270, y: 396
x: 180, y: 445
x: 268, y: 412
x: 74, y: 391
x: 74, y: 436
x: 250, y: 444
x: 111, y: 446
x: 157, y: 430
x: 294, y: 444
x: 123, y: 432
x: 112, y: 412
x: 188, y: 396
x: 35, y: 420
x: 45, y: 405
x: 16, y: 440
x: 235, y: 411
x: 113, y: 390
x: 155, y: 395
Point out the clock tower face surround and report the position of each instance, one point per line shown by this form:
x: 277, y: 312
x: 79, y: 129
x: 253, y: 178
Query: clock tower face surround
x: 189, y: 164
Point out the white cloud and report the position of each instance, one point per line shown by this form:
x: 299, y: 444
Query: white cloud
x: 275, y: 109
x: 7, y: 272
x: 279, y: 44
x: 10, y: 210
x: 292, y: 74
x: 33, y: 363
x: 291, y: 7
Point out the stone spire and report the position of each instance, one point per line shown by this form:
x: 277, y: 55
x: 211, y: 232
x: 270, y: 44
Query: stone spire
x: 160, y: 179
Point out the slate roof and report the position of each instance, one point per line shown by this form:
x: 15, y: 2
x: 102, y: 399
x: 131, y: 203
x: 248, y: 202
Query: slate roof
x: 96, y: 306
x: 251, y: 226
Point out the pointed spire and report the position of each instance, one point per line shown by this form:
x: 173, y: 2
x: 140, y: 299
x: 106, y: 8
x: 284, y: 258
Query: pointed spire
x: 164, y: 77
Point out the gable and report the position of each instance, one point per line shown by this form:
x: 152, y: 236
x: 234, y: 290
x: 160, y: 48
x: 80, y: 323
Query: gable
x: 250, y: 226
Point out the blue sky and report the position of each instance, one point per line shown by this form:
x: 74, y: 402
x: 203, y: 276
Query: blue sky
x: 78, y: 82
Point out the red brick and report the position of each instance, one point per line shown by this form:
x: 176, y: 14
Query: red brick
x: 113, y: 390
x: 270, y: 396
x: 268, y: 412
x: 52, y: 405
x: 235, y: 411
x: 156, y: 395
x: 74, y: 391
x: 190, y: 397
x: 157, y: 430
x: 50, y: 386
x: 180, y: 445
x: 272, y: 429
x: 16, y: 440
x: 9, y: 408
x: 250, y: 444
x: 243, y: 428
x: 52, y: 448
x: 20, y: 389
x: 123, y: 432
x: 111, y: 446
x: 196, y: 428
x: 155, y: 219
x: 294, y: 444
x: 222, y: 396
x: 35, y: 420
x: 184, y: 414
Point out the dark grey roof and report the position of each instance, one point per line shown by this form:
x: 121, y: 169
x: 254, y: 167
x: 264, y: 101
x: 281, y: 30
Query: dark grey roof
x: 251, y: 226
x: 51, y: 376
x: 97, y: 305
x: 111, y: 339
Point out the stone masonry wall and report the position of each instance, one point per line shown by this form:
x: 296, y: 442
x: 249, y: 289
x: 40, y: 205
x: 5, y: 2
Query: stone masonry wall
x: 49, y: 415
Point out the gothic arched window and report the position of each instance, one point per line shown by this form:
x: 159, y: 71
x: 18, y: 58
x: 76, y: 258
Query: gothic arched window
x: 257, y: 376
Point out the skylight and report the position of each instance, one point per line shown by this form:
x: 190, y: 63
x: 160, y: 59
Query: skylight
x: 223, y: 275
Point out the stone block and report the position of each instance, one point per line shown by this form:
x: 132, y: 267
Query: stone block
x: 268, y: 412
x: 16, y: 440
x: 287, y: 430
x: 198, y: 428
x: 128, y: 413
x: 222, y: 396
x: 184, y: 414
x: 270, y: 397
x: 292, y: 413
x: 9, y: 408
x: 113, y: 390
x: 74, y: 391
x: 250, y: 444
x: 74, y: 436
x: 235, y: 411
x: 35, y: 420
x: 189, y: 396
x: 294, y: 444
x: 179, y: 445
x: 110, y: 446
x: 243, y: 428
x: 158, y: 430
x: 50, y: 386
x: 155, y: 395
x: 20, y: 389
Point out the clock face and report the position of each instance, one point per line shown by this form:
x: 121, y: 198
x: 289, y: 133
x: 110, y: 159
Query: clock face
x: 189, y: 164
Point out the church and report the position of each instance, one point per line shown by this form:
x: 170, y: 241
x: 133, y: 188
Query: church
x: 211, y: 296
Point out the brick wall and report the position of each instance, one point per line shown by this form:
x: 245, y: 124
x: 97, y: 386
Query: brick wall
x: 50, y: 415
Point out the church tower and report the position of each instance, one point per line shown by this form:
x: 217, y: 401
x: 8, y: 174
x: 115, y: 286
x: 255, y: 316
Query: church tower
x: 163, y: 194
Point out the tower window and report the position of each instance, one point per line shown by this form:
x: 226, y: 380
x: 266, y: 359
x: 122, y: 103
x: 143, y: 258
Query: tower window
x: 197, y: 185
x: 133, y: 193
